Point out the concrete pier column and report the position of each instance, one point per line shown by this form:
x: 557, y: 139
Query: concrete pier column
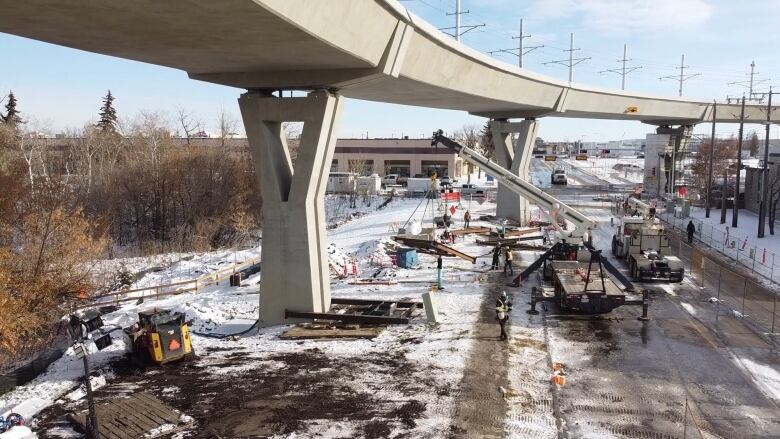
x: 295, y: 273
x: 515, y: 158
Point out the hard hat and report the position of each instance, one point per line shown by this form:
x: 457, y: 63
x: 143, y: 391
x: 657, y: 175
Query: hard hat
x: 503, y: 294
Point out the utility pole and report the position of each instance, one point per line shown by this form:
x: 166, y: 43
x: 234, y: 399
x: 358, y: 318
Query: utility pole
x: 682, y: 77
x: 572, y: 61
x: 750, y: 83
x: 457, y: 29
x: 520, y: 50
x: 735, y: 215
x: 625, y: 70
x: 762, y: 208
x: 712, y: 155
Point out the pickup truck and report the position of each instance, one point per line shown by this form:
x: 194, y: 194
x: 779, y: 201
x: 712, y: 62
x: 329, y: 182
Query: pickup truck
x: 394, y: 180
x: 446, y: 181
x: 470, y: 189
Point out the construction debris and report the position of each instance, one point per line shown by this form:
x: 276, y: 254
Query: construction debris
x: 435, y: 248
x: 319, y: 331
x: 362, y: 311
x: 140, y: 415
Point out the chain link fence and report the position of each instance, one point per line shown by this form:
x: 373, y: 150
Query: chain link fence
x: 735, y: 294
x: 740, y: 248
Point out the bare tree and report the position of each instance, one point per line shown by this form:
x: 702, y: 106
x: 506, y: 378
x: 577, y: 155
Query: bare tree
x: 471, y: 136
x: 227, y: 125
x: 292, y: 132
x: 188, y: 122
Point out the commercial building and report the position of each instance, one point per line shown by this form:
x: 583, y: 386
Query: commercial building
x: 407, y: 157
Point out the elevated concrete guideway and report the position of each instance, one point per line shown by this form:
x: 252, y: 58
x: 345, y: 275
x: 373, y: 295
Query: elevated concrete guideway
x: 366, y: 49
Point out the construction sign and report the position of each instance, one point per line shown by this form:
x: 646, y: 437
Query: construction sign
x: 450, y: 196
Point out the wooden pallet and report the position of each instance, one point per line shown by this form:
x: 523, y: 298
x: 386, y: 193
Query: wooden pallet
x: 137, y: 416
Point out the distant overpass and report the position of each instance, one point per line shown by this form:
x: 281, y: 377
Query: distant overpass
x: 366, y: 49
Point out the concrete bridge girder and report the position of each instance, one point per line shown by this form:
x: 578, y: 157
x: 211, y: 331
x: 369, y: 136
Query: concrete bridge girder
x: 515, y: 158
x: 294, y: 249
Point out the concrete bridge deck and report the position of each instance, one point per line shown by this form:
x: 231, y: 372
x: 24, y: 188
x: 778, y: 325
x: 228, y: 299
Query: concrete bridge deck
x: 366, y: 49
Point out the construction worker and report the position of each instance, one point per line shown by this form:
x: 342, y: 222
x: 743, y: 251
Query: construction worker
x: 503, y: 307
x: 508, y: 261
x: 496, y: 255
x: 466, y: 219
x: 691, y: 229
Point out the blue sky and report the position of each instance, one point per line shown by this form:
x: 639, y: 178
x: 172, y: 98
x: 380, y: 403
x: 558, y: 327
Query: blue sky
x: 60, y: 88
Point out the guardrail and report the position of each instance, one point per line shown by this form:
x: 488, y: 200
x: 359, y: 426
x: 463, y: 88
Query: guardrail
x: 170, y: 289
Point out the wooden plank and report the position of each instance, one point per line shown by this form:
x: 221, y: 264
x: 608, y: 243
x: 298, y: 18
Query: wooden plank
x: 347, y: 318
x: 347, y: 301
x: 449, y: 250
x: 472, y: 230
x: 303, y: 333
x: 162, y: 409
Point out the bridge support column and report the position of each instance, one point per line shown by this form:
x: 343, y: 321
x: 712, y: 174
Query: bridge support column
x: 515, y: 158
x: 294, y: 262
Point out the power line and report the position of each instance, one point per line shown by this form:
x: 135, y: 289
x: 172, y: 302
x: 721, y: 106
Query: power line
x: 520, y: 50
x: 751, y: 82
x: 624, y: 71
x: 457, y: 28
x: 571, y: 62
x: 682, y: 77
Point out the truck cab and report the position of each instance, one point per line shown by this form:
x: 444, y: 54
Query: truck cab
x: 558, y: 176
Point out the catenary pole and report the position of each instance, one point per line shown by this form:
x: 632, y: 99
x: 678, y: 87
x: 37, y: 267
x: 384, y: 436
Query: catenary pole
x: 735, y: 211
x: 763, y: 207
x: 712, y: 155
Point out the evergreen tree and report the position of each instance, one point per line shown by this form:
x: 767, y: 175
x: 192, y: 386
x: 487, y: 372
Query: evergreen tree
x: 488, y: 149
x: 11, y: 113
x: 108, y: 120
x: 753, y: 144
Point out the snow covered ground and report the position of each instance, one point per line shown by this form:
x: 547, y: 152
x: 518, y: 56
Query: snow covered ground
x: 220, y: 309
x: 407, y: 382
x: 760, y: 255
x: 604, y: 168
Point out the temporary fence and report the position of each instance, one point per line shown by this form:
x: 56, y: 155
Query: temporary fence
x: 744, y: 250
x: 174, y: 288
x: 734, y: 294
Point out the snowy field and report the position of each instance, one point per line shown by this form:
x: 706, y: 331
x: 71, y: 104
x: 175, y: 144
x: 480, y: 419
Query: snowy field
x: 604, y: 168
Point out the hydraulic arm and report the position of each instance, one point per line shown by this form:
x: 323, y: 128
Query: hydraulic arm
x: 554, y: 208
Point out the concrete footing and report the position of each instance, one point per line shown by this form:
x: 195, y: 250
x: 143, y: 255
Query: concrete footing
x: 294, y: 262
x: 517, y: 159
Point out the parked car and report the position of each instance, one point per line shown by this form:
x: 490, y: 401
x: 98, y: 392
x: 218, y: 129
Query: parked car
x: 447, y: 181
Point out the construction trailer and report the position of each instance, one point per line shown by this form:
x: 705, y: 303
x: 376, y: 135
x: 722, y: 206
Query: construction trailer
x: 642, y: 242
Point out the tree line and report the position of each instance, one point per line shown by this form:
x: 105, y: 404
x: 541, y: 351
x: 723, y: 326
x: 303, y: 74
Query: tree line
x: 105, y: 191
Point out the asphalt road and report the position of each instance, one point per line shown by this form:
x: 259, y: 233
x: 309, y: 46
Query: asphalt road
x: 627, y: 378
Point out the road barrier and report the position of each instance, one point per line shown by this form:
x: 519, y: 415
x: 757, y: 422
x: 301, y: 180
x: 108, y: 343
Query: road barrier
x: 733, y: 293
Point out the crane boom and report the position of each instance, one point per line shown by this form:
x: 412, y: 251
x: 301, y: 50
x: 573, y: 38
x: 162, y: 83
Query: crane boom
x: 549, y: 204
